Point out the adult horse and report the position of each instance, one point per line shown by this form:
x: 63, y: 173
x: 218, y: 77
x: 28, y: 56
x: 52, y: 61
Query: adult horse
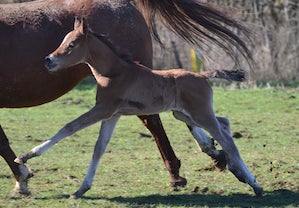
x: 24, y: 28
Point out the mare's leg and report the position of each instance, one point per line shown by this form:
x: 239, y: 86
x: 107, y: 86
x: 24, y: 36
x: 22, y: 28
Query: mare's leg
x: 204, y: 142
x: 221, y: 133
x: 172, y: 163
x: 106, y: 131
x: 92, y: 116
x: 21, y: 172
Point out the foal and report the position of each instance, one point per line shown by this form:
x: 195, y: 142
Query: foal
x: 137, y: 90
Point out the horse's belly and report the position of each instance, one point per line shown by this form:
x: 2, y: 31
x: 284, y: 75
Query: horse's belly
x: 22, y: 90
x: 146, y: 106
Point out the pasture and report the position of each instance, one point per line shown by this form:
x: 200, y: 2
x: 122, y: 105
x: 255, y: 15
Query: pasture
x: 264, y: 121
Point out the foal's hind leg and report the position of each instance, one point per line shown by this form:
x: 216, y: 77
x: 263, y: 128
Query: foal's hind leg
x: 207, y: 146
x: 235, y: 163
x: 105, y: 135
x: 204, y: 142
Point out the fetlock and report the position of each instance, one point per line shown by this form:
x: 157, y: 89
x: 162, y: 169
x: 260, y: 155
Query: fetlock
x: 173, y: 168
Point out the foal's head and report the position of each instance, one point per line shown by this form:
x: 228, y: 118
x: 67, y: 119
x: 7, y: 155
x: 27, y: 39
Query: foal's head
x: 72, y: 50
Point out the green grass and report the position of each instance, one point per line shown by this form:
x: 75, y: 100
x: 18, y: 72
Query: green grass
x: 132, y: 174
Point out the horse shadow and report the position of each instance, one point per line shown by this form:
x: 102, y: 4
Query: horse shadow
x: 276, y: 198
x: 279, y: 198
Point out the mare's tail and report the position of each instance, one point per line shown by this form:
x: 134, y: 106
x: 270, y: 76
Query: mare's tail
x: 199, y: 23
x: 232, y: 75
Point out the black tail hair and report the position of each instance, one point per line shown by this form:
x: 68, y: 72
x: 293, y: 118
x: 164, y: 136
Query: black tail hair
x: 199, y: 23
x: 232, y: 75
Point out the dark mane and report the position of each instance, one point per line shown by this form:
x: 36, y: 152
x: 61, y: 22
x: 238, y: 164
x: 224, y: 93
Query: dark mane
x: 105, y: 39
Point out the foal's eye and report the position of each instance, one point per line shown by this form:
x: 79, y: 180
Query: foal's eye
x: 71, y: 45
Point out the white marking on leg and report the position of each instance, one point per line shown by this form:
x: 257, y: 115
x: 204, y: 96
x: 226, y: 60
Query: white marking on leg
x: 235, y: 163
x: 203, y: 141
x: 105, y: 135
x: 92, y: 116
x: 21, y: 186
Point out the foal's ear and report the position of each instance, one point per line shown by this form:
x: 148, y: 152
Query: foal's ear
x: 77, y: 22
x: 81, y: 24
x: 84, y: 26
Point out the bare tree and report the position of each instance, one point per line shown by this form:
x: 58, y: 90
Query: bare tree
x: 275, y: 24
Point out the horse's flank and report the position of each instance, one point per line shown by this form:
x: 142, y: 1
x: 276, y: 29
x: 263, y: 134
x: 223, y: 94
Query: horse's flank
x: 41, y: 25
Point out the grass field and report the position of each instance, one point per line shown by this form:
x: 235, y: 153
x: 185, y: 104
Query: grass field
x: 132, y: 174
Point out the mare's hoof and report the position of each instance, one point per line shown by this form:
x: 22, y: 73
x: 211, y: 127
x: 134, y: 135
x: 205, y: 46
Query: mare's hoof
x: 220, y: 161
x: 178, y: 182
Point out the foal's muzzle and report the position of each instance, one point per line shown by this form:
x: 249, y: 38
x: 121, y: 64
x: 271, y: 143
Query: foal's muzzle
x: 49, y: 64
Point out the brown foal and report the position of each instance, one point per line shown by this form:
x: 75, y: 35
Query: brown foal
x: 137, y: 90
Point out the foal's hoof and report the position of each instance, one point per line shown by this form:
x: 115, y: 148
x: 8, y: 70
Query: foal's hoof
x: 17, y: 192
x: 220, y: 161
x: 178, y: 182
x: 19, y: 160
x: 258, y: 191
x: 21, y: 189
x: 79, y: 193
x: 74, y: 196
x: 22, y: 159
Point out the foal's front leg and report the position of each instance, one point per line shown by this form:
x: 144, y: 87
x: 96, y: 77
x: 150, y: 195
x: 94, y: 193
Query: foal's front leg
x: 92, y: 116
x: 105, y: 135
x: 20, y: 171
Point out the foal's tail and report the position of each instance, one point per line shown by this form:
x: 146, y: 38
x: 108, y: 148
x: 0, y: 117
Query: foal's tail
x: 199, y: 23
x: 232, y: 75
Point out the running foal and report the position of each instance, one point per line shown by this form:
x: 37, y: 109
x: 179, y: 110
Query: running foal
x: 137, y: 90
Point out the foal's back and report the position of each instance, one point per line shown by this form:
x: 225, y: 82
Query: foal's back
x: 160, y: 90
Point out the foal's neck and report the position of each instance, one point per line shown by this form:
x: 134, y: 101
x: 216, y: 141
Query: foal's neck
x: 102, y: 60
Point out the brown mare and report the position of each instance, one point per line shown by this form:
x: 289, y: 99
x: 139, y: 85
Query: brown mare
x: 142, y: 92
x: 29, y: 31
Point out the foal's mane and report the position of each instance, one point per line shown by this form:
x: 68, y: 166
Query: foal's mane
x: 105, y: 39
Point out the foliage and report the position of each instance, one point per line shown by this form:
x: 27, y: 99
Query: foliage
x: 132, y: 174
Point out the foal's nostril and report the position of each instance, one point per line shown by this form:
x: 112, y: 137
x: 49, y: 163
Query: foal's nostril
x: 49, y: 64
x: 47, y: 60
